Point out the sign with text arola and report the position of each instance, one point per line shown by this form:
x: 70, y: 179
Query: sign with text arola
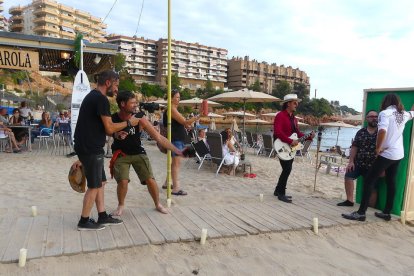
x: 19, y: 59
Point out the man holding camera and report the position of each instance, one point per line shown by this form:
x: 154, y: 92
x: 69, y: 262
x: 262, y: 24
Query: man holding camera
x: 127, y: 150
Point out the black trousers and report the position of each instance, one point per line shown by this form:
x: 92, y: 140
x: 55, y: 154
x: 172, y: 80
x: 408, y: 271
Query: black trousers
x: 286, y: 169
x: 380, y: 164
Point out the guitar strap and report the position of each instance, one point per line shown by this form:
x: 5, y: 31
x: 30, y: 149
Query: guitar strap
x: 292, y: 122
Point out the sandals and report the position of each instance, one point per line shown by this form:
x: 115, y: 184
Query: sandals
x: 179, y: 193
x: 165, y: 187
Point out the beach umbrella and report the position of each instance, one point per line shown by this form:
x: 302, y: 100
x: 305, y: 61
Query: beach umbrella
x: 239, y: 114
x: 244, y: 96
x: 195, y: 102
x: 234, y: 126
x: 337, y: 124
x: 273, y: 114
x: 214, y: 115
x: 257, y: 122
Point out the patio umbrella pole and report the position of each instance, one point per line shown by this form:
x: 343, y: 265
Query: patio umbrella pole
x: 318, y: 146
x: 244, y: 122
x: 337, y: 136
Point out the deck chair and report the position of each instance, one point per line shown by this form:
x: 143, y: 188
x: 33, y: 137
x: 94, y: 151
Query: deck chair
x: 216, y: 150
x: 257, y: 143
x: 202, y: 152
x: 250, y: 141
x: 267, y: 144
x: 305, y: 151
x: 330, y: 161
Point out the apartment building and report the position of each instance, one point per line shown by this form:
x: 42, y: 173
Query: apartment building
x: 140, y: 56
x: 51, y: 19
x: 2, y: 19
x: 243, y: 72
x: 147, y: 61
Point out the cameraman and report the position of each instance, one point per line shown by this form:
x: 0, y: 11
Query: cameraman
x: 127, y: 150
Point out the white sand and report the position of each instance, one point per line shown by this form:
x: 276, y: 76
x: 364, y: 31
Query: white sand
x: 382, y: 248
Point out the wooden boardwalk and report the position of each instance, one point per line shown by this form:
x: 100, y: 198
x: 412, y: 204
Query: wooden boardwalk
x: 56, y: 234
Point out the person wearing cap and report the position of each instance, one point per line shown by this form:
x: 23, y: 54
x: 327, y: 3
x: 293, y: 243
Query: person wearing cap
x: 284, y: 125
x: 94, y: 123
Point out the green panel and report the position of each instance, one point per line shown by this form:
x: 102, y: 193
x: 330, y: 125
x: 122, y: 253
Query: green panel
x: 373, y: 101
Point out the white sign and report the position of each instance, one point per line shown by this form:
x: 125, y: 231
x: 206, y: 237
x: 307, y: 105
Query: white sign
x: 81, y: 88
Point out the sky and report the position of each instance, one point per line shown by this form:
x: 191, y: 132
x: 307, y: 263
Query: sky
x: 343, y: 46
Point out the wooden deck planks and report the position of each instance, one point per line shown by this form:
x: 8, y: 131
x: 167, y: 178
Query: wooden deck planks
x: 54, y: 239
x: 189, y: 225
x: 235, y: 210
x: 17, y: 239
x: 37, y: 237
x: 71, y: 236
x: 162, y: 226
x: 211, y: 232
x: 236, y: 230
x: 154, y: 236
x: 7, y: 225
x: 89, y: 241
x: 177, y: 227
x: 135, y: 232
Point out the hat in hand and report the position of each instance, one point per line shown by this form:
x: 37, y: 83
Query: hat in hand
x: 77, y: 179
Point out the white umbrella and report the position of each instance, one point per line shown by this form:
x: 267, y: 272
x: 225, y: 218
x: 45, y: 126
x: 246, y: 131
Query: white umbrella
x: 214, y: 115
x: 234, y: 126
x: 213, y: 125
x: 257, y: 122
x: 273, y: 114
x: 239, y: 114
x: 244, y: 96
x: 196, y: 102
x: 337, y: 124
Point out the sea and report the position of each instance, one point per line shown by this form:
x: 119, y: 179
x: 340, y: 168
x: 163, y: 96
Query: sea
x: 329, y: 134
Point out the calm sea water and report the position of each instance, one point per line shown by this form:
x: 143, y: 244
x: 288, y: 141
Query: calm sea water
x: 329, y: 135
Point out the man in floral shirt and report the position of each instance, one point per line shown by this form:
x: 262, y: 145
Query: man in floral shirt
x: 361, y: 157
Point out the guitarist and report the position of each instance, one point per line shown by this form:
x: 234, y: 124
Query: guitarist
x: 284, y: 125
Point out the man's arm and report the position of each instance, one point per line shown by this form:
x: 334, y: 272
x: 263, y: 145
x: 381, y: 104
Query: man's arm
x: 147, y: 126
x: 111, y: 127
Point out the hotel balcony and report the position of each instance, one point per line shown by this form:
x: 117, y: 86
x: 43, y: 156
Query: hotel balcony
x: 16, y: 10
x: 82, y: 13
x: 45, y: 10
x: 67, y: 35
x: 45, y: 19
x: 66, y: 8
x: 82, y: 29
x: 43, y: 29
x: 67, y: 17
x: 16, y: 19
x: 82, y: 21
x: 46, y: 3
x: 16, y: 27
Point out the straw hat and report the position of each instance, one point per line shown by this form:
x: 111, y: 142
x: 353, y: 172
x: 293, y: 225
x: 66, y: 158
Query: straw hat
x: 290, y: 97
x: 77, y: 179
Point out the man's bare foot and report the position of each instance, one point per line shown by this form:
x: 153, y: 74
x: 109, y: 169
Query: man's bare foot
x: 118, y: 211
x: 161, y: 209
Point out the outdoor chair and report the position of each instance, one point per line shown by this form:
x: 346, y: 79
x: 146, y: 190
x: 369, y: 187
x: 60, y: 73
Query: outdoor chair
x: 5, y: 140
x: 216, y: 150
x: 250, y: 141
x: 305, y: 151
x: 267, y: 144
x: 202, y: 152
x: 258, y: 144
x: 64, y: 133
x: 331, y: 161
x: 46, y: 134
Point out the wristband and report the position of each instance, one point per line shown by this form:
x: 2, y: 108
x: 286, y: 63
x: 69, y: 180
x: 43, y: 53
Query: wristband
x: 128, y: 124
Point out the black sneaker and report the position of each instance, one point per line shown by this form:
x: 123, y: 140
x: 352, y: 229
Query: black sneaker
x: 354, y: 216
x: 386, y: 217
x: 345, y: 203
x: 90, y: 225
x: 109, y: 220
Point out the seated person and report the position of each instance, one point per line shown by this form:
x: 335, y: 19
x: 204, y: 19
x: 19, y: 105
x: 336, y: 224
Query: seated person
x: 21, y: 134
x: 45, y: 123
x: 62, y: 119
x: 234, y: 141
x: 202, y: 136
x: 231, y: 156
x: 6, y: 132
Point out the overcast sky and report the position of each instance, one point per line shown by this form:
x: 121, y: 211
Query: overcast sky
x: 343, y: 46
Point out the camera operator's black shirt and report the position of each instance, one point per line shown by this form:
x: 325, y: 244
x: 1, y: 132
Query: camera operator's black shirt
x: 90, y: 133
x: 131, y: 145
x: 178, y: 132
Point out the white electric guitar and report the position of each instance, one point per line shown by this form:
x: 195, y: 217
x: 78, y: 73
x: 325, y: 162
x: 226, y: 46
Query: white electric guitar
x: 285, y: 151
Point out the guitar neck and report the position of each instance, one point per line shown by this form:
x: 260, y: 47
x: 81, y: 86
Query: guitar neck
x: 303, y: 138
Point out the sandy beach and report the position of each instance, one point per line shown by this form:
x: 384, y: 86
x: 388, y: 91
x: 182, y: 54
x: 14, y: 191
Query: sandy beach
x: 380, y: 248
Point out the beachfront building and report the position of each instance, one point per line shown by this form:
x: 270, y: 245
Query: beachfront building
x: 140, y: 56
x: 147, y: 61
x: 243, y: 72
x: 51, y: 19
x: 3, y: 21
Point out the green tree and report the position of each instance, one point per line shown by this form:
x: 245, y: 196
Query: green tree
x: 151, y: 90
x: 119, y: 62
x: 185, y: 94
x: 282, y: 88
x: 126, y: 82
x: 256, y: 86
x: 175, y: 81
x: 301, y: 90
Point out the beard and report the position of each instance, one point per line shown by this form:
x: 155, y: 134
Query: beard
x: 373, y: 124
x: 110, y: 93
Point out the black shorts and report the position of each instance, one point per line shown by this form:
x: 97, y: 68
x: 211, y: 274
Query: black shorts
x: 93, y: 167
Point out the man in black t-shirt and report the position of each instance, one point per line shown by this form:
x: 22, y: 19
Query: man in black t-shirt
x: 127, y: 151
x: 94, y: 123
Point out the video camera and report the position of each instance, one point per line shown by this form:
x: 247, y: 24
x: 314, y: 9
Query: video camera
x: 150, y: 107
